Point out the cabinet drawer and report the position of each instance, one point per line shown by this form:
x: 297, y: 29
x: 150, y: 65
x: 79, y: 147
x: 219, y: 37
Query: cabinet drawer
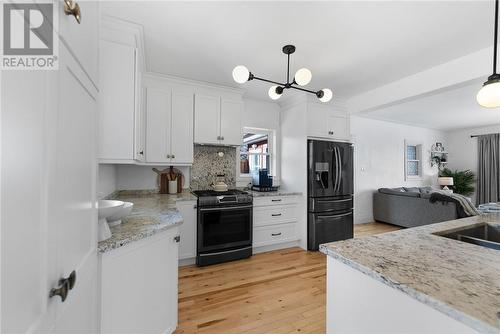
x: 275, y: 214
x: 268, y: 235
x: 274, y: 200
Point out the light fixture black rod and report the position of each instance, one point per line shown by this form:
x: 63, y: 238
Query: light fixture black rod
x: 274, y: 82
x: 496, y: 39
x: 302, y: 89
x: 489, y: 134
x: 288, y: 70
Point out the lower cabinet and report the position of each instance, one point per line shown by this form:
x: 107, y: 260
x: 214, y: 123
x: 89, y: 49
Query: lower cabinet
x: 187, y: 247
x: 139, y: 286
x: 274, y: 221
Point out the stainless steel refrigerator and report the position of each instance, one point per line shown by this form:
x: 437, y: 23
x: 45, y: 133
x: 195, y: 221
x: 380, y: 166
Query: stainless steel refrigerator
x: 330, y: 192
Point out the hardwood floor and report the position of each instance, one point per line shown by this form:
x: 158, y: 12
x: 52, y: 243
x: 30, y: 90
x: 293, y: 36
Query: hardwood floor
x: 276, y: 292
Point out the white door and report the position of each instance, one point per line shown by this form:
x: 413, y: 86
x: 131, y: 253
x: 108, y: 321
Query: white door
x: 158, y: 120
x: 230, y: 122
x: 187, y: 230
x: 72, y: 196
x: 182, y: 127
x: 48, y: 179
x: 206, y: 119
x: 117, y: 101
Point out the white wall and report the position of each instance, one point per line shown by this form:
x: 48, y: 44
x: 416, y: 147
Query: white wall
x: 379, y: 159
x: 106, y: 180
x: 463, y: 148
x: 134, y: 177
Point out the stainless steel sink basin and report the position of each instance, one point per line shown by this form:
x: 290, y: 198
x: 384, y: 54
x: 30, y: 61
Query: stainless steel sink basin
x: 485, y: 235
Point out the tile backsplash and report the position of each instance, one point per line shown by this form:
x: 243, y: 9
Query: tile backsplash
x: 208, y: 164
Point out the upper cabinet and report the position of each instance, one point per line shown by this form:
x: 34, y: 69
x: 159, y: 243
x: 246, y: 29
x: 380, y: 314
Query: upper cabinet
x: 217, y: 119
x: 169, y: 125
x: 327, y: 121
x: 121, y: 118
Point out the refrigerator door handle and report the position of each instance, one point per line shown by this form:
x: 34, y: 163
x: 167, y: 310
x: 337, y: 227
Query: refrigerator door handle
x: 337, y: 170
x: 340, y: 169
x: 336, y: 216
x: 333, y: 200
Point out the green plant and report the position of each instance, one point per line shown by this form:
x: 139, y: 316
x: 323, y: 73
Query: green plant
x: 463, y: 181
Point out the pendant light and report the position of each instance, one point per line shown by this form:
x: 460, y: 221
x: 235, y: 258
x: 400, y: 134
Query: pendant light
x: 302, y: 77
x: 489, y: 95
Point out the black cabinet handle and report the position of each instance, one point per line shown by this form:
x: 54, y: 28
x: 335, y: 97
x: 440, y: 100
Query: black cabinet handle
x: 65, y: 284
x: 276, y: 214
x: 275, y: 234
x: 141, y: 152
x: 276, y: 200
x: 177, y: 238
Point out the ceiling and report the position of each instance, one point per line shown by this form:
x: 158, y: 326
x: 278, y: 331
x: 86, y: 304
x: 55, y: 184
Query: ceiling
x: 350, y: 47
x: 453, y: 109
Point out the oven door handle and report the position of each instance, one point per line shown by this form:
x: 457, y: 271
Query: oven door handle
x: 226, y: 208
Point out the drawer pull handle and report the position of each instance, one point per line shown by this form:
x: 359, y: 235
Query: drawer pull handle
x: 276, y: 200
x: 276, y: 214
x: 275, y: 234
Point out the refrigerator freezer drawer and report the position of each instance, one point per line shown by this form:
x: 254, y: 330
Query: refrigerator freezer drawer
x: 324, y: 228
x: 324, y: 204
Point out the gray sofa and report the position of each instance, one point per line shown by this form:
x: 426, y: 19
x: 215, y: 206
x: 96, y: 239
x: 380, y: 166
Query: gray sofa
x: 410, y: 207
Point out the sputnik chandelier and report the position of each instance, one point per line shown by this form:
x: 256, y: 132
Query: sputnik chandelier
x: 302, y: 77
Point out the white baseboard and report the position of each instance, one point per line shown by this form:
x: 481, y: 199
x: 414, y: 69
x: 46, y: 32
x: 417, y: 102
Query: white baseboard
x: 268, y: 248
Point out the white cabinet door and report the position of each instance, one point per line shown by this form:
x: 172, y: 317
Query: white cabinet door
x: 316, y: 120
x: 230, y: 122
x: 182, y: 127
x: 117, y: 102
x: 338, y: 127
x: 187, y: 248
x: 150, y: 289
x: 158, y: 123
x: 206, y: 119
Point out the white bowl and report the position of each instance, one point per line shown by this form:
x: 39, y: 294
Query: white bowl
x: 124, y: 211
x: 107, y: 208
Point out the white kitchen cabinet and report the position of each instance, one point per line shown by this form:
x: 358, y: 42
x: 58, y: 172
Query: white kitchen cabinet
x: 326, y: 121
x: 142, y: 300
x: 117, y: 105
x: 217, y: 120
x: 169, y: 125
x: 121, y: 114
x: 274, y: 221
x: 207, y: 119
x: 187, y: 231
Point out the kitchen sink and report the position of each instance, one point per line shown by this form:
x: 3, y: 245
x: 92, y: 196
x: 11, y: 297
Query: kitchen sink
x: 485, y: 235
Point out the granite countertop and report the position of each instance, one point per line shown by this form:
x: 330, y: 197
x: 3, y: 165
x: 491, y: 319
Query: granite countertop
x: 456, y: 278
x: 273, y: 193
x: 152, y: 213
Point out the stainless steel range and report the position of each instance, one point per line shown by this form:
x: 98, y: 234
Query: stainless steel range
x: 224, y: 226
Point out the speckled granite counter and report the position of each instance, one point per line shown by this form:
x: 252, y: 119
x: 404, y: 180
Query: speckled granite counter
x: 453, y: 277
x: 152, y: 213
x: 273, y: 193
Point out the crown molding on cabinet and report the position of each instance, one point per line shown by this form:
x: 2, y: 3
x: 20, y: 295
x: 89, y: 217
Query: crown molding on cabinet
x: 109, y: 24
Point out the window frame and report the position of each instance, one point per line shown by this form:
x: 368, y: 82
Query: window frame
x: 271, y: 145
x: 419, y: 154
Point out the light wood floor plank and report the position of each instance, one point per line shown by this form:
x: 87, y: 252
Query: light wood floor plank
x: 277, y: 292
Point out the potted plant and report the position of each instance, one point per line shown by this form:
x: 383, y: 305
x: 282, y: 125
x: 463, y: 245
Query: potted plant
x: 463, y: 181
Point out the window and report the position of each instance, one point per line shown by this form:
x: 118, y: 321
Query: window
x: 413, y: 161
x: 256, y: 152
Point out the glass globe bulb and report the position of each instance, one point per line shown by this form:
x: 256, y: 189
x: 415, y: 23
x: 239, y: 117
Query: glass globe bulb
x: 327, y: 95
x: 272, y: 93
x: 303, y: 77
x: 489, y: 95
x: 241, y: 74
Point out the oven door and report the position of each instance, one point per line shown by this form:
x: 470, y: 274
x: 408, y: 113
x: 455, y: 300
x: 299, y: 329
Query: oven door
x: 224, y: 228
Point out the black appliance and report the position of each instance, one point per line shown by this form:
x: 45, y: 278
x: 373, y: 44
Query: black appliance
x: 329, y: 192
x: 224, y: 226
x: 261, y: 178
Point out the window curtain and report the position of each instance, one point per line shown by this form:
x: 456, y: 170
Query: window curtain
x: 488, y: 175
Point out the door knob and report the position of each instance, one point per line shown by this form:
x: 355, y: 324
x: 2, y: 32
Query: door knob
x: 141, y: 152
x: 61, y: 291
x: 72, y: 8
x: 71, y: 280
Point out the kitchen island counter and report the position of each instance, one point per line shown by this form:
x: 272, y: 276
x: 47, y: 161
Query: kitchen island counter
x: 455, y: 278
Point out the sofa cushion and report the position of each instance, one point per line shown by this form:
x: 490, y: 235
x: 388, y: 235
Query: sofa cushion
x: 426, y: 195
x: 412, y: 190
x: 398, y: 192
